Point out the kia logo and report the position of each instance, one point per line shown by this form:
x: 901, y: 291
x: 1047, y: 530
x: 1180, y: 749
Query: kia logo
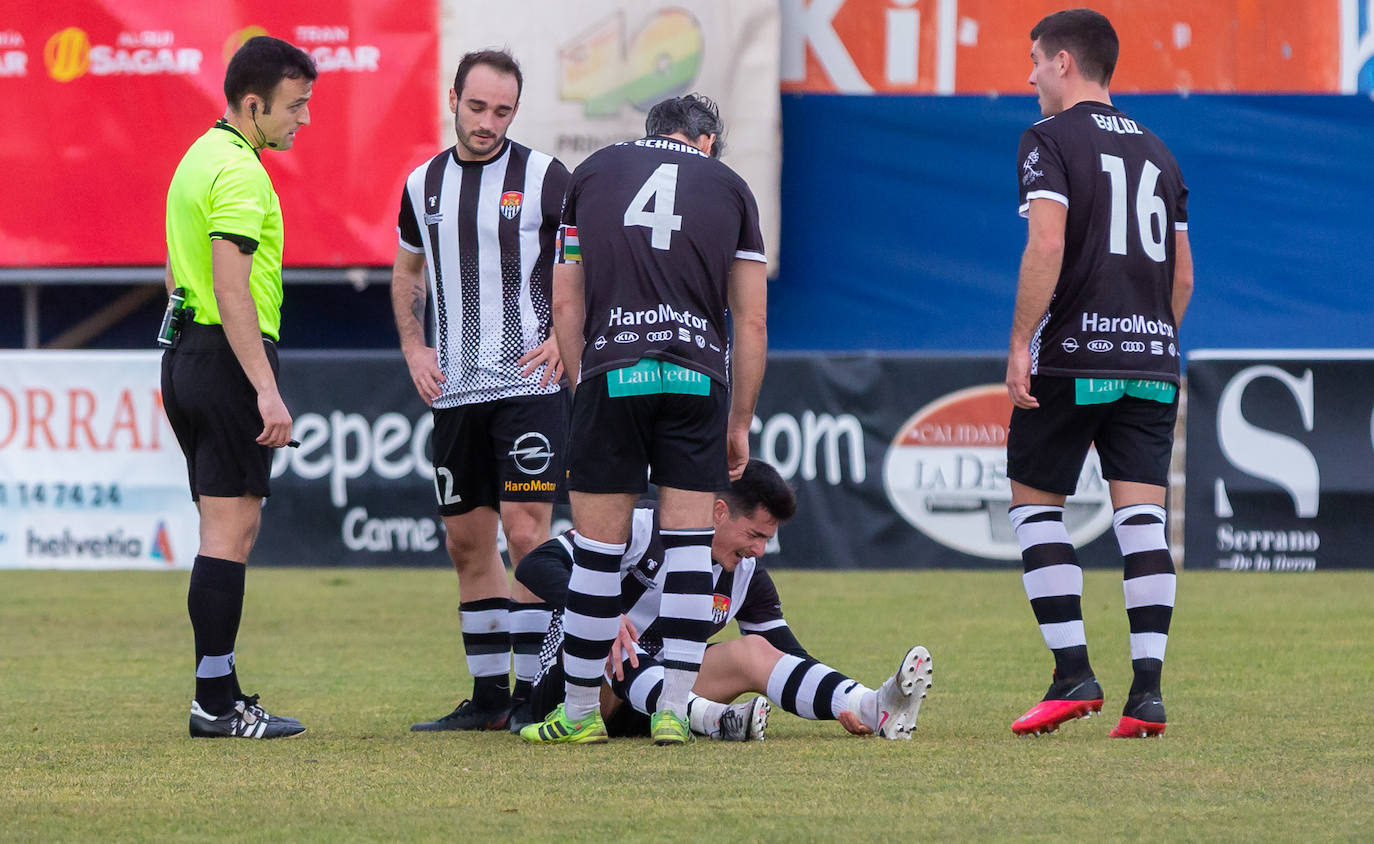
x: 1132, y: 346
x: 1099, y: 345
x: 626, y: 337
x: 658, y: 336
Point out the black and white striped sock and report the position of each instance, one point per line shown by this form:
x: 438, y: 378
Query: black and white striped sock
x: 486, y: 642
x: 642, y: 686
x: 816, y: 691
x: 528, y: 625
x: 1149, y: 584
x: 685, y: 613
x: 590, y: 622
x: 1054, y: 585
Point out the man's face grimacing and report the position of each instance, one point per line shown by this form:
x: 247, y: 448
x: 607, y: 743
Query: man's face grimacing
x: 740, y: 536
x: 287, y: 112
x: 1045, y: 78
x: 483, y: 111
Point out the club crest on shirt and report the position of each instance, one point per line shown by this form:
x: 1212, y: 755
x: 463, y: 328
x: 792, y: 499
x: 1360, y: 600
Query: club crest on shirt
x: 510, y: 203
x: 720, y: 608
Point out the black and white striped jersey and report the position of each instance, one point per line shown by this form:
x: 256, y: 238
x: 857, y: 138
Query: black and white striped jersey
x: 487, y: 230
x: 1112, y: 311
x: 746, y: 596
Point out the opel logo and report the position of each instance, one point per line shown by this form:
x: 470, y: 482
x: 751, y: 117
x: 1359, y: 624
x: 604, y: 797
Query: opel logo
x: 531, y: 453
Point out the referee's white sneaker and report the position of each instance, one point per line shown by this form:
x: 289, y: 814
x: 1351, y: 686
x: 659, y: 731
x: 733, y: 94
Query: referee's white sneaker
x: 899, y: 698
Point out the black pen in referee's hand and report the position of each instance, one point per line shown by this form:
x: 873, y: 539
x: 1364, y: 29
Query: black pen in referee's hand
x: 293, y: 443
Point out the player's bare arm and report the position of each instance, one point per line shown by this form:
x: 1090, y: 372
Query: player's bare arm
x: 748, y: 291
x: 230, y: 269
x: 1183, y: 276
x: 569, y: 312
x: 409, y: 293
x: 167, y: 279
x: 1040, y: 265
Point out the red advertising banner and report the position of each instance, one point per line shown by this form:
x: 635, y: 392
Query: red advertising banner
x: 104, y: 97
x: 982, y: 46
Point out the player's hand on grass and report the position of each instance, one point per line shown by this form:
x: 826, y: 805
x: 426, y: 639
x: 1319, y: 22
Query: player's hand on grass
x: 623, y: 647
x: 545, y: 355
x: 1018, y: 379
x: 423, y: 363
x: 276, y: 420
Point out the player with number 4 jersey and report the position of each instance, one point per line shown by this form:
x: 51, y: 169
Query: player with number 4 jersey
x: 658, y: 239
x: 1094, y: 360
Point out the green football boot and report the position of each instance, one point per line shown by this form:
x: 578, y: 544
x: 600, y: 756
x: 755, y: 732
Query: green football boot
x: 667, y: 728
x: 557, y: 729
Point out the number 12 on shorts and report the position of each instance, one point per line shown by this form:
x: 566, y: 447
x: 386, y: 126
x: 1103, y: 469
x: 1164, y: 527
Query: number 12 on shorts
x: 660, y: 189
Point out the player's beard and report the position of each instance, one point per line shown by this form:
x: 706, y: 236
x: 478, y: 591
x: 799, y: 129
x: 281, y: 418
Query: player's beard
x: 477, y: 145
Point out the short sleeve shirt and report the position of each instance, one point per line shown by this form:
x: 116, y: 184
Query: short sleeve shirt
x: 1112, y: 311
x: 220, y: 190
x: 656, y: 225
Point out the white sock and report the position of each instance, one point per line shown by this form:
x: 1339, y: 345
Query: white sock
x: 703, y: 715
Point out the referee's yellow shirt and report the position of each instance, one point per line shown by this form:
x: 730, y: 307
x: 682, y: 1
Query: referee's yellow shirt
x: 220, y: 190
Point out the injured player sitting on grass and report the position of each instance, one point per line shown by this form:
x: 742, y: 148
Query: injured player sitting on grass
x: 766, y: 659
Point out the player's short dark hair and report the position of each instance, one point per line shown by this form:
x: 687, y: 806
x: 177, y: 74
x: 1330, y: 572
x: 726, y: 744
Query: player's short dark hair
x: 760, y: 486
x: 498, y: 60
x: 260, y: 65
x: 692, y: 115
x: 1086, y: 35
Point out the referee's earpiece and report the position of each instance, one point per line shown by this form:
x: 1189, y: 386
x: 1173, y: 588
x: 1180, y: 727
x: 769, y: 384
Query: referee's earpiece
x: 253, y: 107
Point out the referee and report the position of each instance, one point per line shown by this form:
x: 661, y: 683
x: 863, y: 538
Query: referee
x: 219, y: 382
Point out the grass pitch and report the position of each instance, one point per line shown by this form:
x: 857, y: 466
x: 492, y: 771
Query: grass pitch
x: 1268, y: 687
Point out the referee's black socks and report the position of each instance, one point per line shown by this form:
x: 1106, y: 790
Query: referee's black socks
x: 215, y: 604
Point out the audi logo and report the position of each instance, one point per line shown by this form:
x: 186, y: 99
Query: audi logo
x: 1132, y: 346
x: 658, y: 336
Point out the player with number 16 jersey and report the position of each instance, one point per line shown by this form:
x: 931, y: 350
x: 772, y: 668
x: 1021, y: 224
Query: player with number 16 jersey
x: 657, y: 247
x: 1112, y: 314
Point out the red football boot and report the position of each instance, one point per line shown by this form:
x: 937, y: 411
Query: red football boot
x: 1064, y: 701
x: 1142, y: 717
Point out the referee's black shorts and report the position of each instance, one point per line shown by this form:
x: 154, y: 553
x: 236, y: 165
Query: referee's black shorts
x: 213, y: 410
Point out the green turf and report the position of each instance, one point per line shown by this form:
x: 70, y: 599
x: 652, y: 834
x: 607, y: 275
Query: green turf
x: 1268, y: 687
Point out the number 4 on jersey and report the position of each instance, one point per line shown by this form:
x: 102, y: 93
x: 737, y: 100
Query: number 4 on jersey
x: 661, y: 190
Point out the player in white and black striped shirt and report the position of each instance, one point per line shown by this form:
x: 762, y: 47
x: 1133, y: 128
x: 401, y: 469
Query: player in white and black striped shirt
x: 768, y: 659
x: 477, y: 227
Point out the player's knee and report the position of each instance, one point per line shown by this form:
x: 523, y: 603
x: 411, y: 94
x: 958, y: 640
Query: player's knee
x: 759, y: 650
x: 463, y: 548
